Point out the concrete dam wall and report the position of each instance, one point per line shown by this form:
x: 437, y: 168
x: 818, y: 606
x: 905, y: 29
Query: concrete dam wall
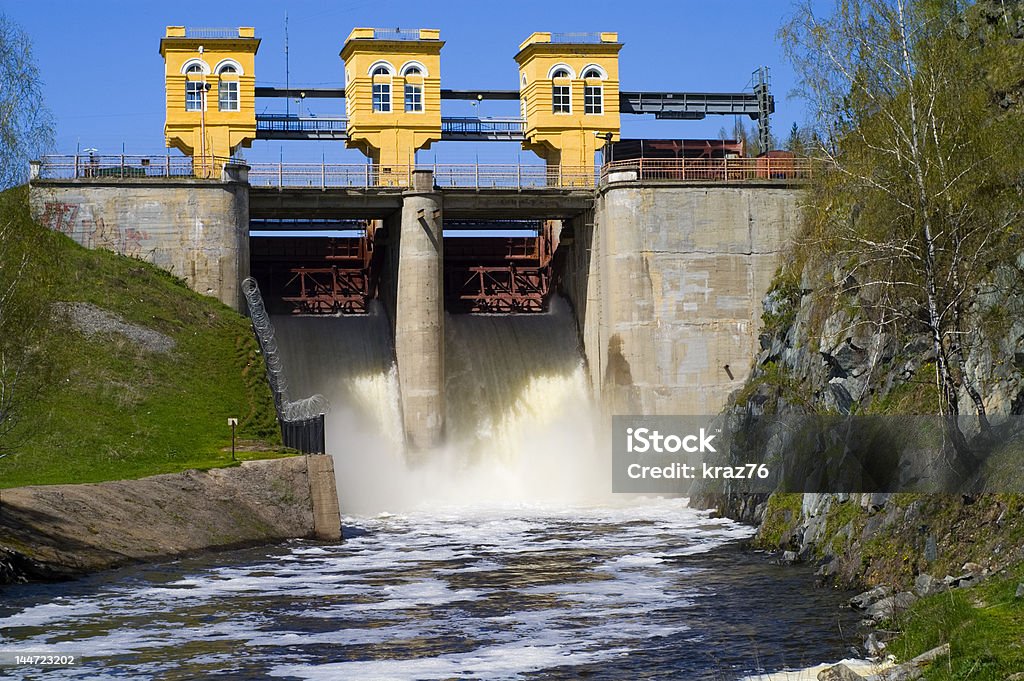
x: 667, y: 283
x: 666, y: 279
x: 197, y: 230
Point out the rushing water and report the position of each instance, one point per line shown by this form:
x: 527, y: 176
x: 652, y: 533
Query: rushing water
x: 501, y: 556
x: 647, y: 590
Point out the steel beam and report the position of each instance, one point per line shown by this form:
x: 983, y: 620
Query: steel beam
x: 479, y: 95
x: 300, y: 92
x: 692, y: 105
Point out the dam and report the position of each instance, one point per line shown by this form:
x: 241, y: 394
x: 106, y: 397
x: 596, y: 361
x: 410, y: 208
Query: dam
x: 664, y: 276
x: 659, y: 251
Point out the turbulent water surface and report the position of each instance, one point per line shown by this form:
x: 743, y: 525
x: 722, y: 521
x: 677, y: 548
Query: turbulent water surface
x: 502, y: 555
x: 648, y: 590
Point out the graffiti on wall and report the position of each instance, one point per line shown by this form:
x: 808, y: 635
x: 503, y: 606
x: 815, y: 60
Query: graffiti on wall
x: 92, y: 231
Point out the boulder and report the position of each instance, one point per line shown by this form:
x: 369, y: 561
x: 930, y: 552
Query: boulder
x: 926, y: 585
x: 839, y: 672
x: 874, y: 647
x: 963, y: 581
x: 973, y: 568
x: 890, y: 606
x: 864, y: 600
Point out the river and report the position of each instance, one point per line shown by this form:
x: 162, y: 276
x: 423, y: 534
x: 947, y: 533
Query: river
x: 649, y: 589
x: 502, y: 555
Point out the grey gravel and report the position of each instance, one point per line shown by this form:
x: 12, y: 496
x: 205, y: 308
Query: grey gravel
x: 92, y: 320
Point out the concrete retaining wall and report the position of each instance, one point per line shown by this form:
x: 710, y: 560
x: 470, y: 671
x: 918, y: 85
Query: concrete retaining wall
x: 668, y: 284
x: 60, y: 531
x: 196, y: 229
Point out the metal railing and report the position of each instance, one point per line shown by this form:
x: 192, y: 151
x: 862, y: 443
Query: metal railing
x: 289, y: 123
x: 79, y: 166
x: 202, y: 32
x: 396, y: 34
x: 710, y: 169
x: 469, y: 175
x: 576, y: 38
x: 477, y: 176
x: 494, y: 128
x: 324, y: 175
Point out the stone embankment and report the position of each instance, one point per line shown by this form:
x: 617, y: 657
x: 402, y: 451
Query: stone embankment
x: 61, y: 531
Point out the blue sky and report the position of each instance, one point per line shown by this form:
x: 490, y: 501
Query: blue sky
x: 104, y: 75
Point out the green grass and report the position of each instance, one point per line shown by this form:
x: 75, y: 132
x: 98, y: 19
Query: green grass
x: 109, y: 409
x: 781, y: 517
x: 984, y: 626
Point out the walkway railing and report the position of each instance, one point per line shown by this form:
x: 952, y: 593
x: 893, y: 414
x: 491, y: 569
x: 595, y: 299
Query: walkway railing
x: 469, y: 175
x: 78, y: 166
x: 287, y: 123
x: 478, y: 176
x: 466, y: 128
x: 324, y: 175
x: 710, y: 169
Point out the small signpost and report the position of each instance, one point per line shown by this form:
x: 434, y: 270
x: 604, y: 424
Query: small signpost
x: 233, y: 422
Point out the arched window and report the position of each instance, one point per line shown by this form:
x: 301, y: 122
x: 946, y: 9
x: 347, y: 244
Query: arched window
x: 561, y: 92
x: 414, y: 72
x: 227, y: 88
x: 561, y: 71
x: 593, y: 90
x: 194, y: 87
x: 381, y: 79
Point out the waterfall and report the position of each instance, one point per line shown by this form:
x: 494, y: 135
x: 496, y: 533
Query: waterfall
x: 520, y: 426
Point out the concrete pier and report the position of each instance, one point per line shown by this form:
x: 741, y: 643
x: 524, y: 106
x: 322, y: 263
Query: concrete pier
x: 419, y: 314
x: 323, y: 497
x: 667, y: 283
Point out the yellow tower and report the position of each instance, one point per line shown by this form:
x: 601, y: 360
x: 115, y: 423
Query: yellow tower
x: 211, y: 92
x: 569, y: 97
x: 393, y: 96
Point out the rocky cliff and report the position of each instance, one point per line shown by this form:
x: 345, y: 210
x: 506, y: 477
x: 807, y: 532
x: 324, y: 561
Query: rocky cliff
x: 825, y: 349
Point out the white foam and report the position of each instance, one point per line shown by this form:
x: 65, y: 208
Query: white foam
x: 506, y: 661
x: 46, y: 613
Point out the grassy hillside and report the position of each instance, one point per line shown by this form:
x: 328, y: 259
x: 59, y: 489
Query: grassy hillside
x: 981, y: 624
x: 110, y: 408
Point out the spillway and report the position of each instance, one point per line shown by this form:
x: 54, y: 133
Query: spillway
x: 520, y: 424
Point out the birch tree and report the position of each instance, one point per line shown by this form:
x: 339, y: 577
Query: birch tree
x: 923, y: 198
x: 25, y: 131
x: 26, y: 126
